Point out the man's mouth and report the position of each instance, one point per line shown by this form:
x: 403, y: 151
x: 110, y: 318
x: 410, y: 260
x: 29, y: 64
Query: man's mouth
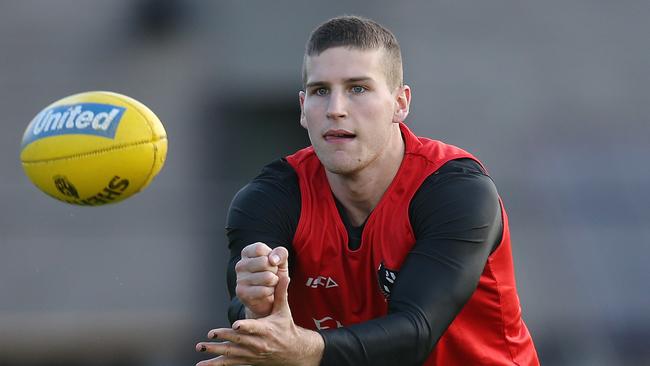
x: 338, y: 135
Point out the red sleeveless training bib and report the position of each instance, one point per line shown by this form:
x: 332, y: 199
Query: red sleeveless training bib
x: 333, y: 286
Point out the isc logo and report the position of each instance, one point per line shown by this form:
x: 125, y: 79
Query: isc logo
x: 83, y: 118
x: 326, y: 282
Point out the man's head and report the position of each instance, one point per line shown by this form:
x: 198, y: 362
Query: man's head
x: 357, y: 33
x: 353, y: 97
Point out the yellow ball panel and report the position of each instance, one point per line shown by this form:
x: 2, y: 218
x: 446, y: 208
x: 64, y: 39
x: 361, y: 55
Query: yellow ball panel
x: 156, y: 126
x: 99, y: 178
x: 135, y: 124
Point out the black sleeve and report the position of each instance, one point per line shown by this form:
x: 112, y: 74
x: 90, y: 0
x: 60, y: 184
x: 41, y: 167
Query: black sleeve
x: 265, y: 210
x: 457, y: 221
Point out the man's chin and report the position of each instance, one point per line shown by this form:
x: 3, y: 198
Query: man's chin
x: 339, y: 162
x: 341, y: 168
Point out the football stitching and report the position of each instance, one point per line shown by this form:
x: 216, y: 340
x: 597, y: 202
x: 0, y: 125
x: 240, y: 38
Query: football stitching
x: 91, y: 153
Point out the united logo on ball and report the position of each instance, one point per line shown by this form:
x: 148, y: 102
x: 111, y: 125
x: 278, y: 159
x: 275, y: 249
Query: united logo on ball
x: 93, y: 148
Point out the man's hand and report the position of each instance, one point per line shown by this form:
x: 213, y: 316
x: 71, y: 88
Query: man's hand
x: 257, y: 277
x: 270, y: 341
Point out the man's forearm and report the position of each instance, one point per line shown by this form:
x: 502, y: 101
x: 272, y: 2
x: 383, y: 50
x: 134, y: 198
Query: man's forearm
x: 314, y: 347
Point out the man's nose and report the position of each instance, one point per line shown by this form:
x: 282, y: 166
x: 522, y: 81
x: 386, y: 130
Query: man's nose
x: 337, y: 105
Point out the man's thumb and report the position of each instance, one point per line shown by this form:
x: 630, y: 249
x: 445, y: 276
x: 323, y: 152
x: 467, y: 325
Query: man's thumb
x: 279, y: 257
x: 280, y: 297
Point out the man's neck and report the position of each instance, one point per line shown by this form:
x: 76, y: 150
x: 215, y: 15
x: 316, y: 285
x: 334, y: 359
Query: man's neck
x: 360, y: 193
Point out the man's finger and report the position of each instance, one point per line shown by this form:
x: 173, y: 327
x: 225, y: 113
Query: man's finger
x: 228, y: 349
x: 250, y: 327
x: 240, y: 338
x: 255, y: 250
x: 265, y: 278
x: 224, y: 361
x: 255, y: 294
x: 256, y: 264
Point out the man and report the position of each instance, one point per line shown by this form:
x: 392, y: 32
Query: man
x: 397, y: 246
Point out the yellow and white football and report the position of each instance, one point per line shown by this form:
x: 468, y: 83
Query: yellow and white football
x: 93, y: 148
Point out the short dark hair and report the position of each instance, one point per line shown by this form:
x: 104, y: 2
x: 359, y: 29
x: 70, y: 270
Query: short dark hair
x: 360, y: 33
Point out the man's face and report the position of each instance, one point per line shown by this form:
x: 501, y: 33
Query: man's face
x: 348, y: 108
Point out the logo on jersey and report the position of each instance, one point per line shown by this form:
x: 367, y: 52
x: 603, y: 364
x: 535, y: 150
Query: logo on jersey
x: 326, y: 282
x: 327, y: 323
x: 386, y: 279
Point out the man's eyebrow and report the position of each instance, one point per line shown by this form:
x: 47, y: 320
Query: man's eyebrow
x: 358, y: 79
x: 316, y: 83
x: 346, y: 81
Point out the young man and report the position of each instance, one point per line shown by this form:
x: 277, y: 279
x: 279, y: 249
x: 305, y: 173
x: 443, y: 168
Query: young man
x: 397, y: 246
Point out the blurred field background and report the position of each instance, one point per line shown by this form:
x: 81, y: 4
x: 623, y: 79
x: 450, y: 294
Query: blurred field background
x: 553, y: 96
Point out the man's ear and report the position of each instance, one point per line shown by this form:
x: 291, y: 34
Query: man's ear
x: 402, y: 103
x: 301, y: 97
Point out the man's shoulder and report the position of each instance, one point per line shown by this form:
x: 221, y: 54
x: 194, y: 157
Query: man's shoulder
x: 277, y: 178
x: 460, y: 195
x: 267, y: 209
x: 456, y: 172
x: 277, y: 171
x: 462, y: 165
x: 273, y: 193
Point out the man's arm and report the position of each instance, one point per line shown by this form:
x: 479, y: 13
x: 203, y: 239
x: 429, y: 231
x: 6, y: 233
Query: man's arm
x: 456, y: 217
x: 457, y: 221
x: 266, y: 210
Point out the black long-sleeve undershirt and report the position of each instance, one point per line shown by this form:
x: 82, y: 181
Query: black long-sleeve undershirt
x: 457, y: 222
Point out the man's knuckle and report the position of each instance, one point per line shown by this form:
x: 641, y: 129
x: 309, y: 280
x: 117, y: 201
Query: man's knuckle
x: 244, y: 252
x: 252, y: 264
x: 268, y: 278
x: 264, y: 348
x: 241, y: 292
x: 241, y: 265
x: 230, y: 349
x: 260, y: 292
x: 261, y: 249
x: 265, y: 291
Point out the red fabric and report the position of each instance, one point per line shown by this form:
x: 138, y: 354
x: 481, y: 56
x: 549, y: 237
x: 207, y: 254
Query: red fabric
x: 334, y: 286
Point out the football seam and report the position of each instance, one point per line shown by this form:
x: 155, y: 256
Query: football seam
x: 151, y: 169
x: 92, y: 153
x: 136, y: 108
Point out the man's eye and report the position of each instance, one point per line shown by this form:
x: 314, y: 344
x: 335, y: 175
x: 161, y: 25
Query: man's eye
x: 358, y: 89
x: 320, y: 91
